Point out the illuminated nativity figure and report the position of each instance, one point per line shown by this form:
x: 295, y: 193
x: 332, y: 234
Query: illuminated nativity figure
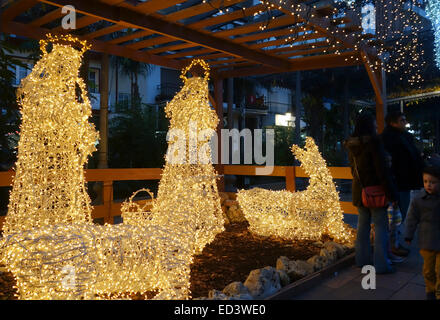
x: 188, y: 199
x: 49, y: 242
x: 304, y: 214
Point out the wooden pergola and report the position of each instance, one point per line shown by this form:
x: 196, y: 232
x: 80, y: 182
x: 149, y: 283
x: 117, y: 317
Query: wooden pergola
x: 170, y: 33
x: 237, y: 42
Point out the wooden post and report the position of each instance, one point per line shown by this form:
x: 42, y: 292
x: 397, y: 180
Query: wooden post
x: 298, y: 108
x: 107, y: 195
x: 218, y: 97
x: 380, y: 117
x: 103, y: 113
x: 290, y: 179
x: 230, y: 102
x: 377, y: 80
x: 107, y: 190
x: 381, y: 103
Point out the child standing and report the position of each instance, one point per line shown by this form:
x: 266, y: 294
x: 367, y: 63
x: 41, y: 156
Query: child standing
x: 424, y: 212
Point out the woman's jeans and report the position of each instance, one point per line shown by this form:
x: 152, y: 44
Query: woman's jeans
x: 404, y: 200
x: 363, y: 248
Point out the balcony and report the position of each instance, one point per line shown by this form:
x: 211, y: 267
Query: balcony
x: 167, y: 91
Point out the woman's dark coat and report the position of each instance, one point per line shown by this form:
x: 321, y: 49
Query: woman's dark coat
x: 370, y: 156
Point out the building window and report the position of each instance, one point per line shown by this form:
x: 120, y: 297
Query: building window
x: 20, y: 73
x: 123, y: 97
x: 94, y: 80
x: 123, y: 102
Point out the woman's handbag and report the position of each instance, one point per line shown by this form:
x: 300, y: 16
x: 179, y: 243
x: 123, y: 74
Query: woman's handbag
x: 372, y: 196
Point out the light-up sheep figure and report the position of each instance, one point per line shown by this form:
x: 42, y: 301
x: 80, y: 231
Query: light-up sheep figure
x: 50, y: 243
x: 298, y: 215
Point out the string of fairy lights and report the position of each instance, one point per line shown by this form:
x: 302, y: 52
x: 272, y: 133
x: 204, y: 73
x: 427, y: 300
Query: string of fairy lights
x: 395, y: 36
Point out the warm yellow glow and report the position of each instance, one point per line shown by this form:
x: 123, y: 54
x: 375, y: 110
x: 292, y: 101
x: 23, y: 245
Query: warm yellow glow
x: 188, y: 202
x: 298, y: 215
x: 50, y: 244
x: 55, y: 141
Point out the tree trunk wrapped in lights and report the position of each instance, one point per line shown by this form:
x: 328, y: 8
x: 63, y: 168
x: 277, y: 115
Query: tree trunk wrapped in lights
x: 55, y: 141
x: 298, y: 215
x: 188, y: 201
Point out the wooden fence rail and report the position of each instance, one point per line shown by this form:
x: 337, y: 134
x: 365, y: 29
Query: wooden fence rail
x: 109, y: 209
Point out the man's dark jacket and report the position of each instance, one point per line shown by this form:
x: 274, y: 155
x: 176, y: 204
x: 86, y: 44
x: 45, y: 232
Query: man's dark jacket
x: 369, y: 154
x: 407, y: 162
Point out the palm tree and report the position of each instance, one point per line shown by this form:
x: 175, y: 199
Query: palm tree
x: 134, y: 69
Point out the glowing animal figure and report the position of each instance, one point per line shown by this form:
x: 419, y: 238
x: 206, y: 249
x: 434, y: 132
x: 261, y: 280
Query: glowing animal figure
x: 297, y: 215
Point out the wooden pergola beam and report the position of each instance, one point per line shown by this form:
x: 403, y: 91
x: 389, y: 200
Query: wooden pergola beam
x: 299, y: 64
x: 289, y: 49
x: 48, y: 17
x: 311, y: 51
x: 282, y: 41
x: 80, y: 23
x: 264, y: 35
x: 274, y: 51
x: 157, y: 25
x: 377, y: 87
x: 15, y: 9
x: 376, y: 81
x: 228, y: 17
x: 131, y: 36
x: 199, y: 9
x: 224, y: 34
x: 252, y: 27
x: 149, y: 42
x: 180, y: 15
x: 190, y: 53
x: 238, y: 14
x: 174, y: 47
x: 320, y: 24
x: 100, y: 46
x: 258, y: 36
x: 104, y: 31
x: 149, y: 6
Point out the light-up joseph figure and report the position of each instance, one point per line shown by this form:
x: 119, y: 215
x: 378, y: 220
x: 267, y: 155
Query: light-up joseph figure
x: 187, y: 198
x: 55, y: 141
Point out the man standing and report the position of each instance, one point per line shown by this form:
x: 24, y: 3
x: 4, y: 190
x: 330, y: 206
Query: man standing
x: 407, y: 165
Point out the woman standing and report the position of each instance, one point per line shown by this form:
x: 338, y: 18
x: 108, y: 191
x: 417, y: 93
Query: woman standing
x: 369, y: 168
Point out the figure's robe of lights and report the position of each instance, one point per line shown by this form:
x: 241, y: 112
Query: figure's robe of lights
x: 55, y: 141
x: 298, y: 215
x: 50, y: 243
x: 188, y: 201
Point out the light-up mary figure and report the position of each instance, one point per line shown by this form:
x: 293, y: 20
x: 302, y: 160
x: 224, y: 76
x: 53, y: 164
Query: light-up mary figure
x: 188, y: 198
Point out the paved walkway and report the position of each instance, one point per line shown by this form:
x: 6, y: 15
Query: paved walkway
x: 406, y: 284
